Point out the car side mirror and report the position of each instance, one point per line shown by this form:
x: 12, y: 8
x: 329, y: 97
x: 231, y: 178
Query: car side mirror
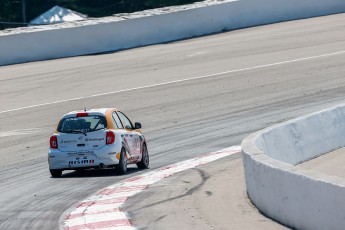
x: 137, y: 125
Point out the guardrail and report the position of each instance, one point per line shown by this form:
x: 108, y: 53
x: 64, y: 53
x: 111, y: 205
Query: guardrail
x: 300, y: 199
x: 111, y: 34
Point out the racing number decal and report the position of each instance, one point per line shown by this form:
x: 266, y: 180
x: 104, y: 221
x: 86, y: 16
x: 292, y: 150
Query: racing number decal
x: 136, y: 142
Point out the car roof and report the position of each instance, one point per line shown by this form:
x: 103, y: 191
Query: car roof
x: 100, y: 111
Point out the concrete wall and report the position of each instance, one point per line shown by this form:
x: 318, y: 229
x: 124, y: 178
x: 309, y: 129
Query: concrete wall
x: 110, y: 35
x: 298, y: 198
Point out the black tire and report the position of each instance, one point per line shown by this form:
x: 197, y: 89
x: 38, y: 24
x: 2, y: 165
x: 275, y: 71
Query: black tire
x: 121, y: 168
x: 55, y: 172
x: 145, y: 160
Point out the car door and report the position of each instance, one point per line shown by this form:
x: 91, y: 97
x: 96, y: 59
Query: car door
x: 125, y: 134
x: 131, y: 137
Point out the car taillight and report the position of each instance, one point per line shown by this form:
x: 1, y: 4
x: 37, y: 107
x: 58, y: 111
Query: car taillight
x: 83, y: 114
x: 53, y: 142
x: 110, y: 138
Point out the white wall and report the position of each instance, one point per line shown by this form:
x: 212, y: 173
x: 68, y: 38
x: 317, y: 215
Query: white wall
x: 305, y: 138
x: 298, y: 198
x: 80, y: 39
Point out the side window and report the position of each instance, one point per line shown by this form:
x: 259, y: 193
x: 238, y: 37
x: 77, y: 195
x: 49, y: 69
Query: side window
x: 117, y: 121
x: 126, y: 122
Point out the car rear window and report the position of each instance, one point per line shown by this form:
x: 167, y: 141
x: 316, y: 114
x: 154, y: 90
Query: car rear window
x: 82, y: 124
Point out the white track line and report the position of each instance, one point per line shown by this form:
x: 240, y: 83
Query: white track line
x: 102, y: 211
x: 178, y: 81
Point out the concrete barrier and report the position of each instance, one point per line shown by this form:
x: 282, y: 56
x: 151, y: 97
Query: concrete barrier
x: 300, y: 199
x: 116, y: 33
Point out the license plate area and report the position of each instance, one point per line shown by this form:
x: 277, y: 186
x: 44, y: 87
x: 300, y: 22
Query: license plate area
x: 81, y: 158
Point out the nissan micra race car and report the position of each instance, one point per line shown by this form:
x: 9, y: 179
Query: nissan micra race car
x: 96, y: 138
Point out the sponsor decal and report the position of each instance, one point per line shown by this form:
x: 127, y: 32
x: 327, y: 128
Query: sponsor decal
x: 94, y: 139
x: 79, y: 153
x: 127, y: 145
x: 67, y: 142
x: 112, y: 153
x: 134, y: 159
x: 77, y: 162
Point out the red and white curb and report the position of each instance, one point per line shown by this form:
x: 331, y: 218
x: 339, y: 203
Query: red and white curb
x: 102, y: 211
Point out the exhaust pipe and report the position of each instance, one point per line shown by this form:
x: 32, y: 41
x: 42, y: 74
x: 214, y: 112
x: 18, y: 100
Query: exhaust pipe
x: 101, y: 166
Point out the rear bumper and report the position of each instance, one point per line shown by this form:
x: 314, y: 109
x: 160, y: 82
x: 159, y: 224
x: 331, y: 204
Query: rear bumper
x: 107, y: 156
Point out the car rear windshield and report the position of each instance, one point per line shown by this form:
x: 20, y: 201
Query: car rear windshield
x: 82, y: 124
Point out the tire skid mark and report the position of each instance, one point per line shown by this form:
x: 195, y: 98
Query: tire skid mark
x: 103, y: 210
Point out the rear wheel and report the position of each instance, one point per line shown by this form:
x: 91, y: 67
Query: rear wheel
x: 122, y: 167
x: 145, y: 161
x: 56, y: 172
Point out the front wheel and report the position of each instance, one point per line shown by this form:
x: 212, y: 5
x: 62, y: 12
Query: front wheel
x: 145, y: 161
x: 55, y: 172
x: 122, y: 167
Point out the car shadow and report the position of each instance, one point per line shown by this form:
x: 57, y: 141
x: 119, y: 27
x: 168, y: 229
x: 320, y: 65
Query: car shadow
x: 107, y: 172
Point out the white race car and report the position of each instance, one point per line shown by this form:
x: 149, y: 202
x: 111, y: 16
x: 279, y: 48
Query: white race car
x: 96, y: 138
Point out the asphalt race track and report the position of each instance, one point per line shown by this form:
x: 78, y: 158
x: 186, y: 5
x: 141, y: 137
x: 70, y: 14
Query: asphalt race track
x: 192, y: 97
